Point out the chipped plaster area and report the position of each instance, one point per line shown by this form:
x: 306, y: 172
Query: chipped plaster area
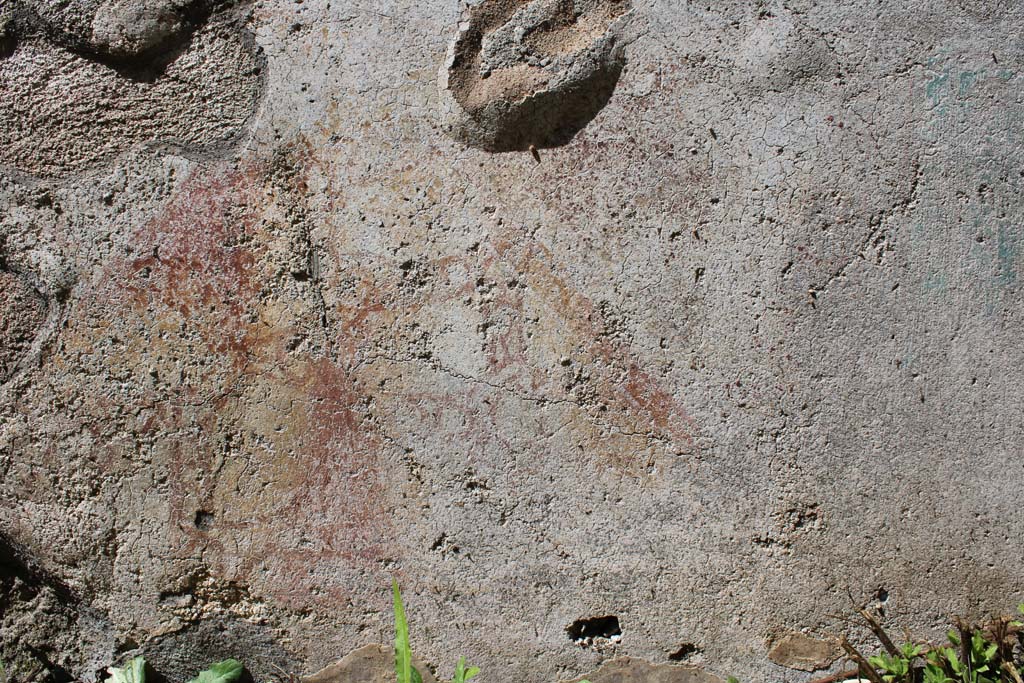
x: 522, y: 75
x: 744, y: 346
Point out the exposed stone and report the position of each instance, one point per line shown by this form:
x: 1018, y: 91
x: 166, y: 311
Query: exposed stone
x: 632, y: 670
x: 531, y: 73
x: 796, y: 650
x: 368, y: 664
x: 215, y: 638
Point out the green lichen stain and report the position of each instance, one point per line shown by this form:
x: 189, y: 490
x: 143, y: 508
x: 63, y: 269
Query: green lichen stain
x: 1006, y: 256
x: 936, y: 282
x: 936, y: 88
x: 967, y: 81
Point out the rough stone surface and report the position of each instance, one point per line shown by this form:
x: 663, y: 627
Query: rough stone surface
x: 800, y: 651
x: 119, y: 29
x: 744, y: 346
x: 65, y: 111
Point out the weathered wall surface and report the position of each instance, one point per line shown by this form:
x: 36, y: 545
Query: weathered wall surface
x: 748, y: 344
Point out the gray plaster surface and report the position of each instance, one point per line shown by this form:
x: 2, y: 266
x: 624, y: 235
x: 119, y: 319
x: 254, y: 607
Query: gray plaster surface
x: 749, y: 344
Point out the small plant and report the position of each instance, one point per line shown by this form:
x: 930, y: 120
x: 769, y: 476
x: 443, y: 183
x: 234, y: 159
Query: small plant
x: 405, y: 672
x: 988, y: 653
x: 228, y: 671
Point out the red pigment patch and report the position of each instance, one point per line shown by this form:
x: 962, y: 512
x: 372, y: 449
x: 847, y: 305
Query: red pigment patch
x: 294, y: 517
x: 198, y: 262
x: 294, y: 508
x: 637, y: 405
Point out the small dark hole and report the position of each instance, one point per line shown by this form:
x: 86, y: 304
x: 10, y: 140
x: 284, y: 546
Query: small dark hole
x: 204, y: 520
x: 685, y: 651
x: 882, y: 595
x: 585, y: 630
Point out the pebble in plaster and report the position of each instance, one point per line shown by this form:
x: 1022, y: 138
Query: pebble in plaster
x: 799, y: 651
x: 524, y: 74
x: 22, y: 313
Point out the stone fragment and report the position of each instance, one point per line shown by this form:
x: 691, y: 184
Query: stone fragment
x: 631, y: 670
x: 796, y: 650
x: 531, y: 73
x: 368, y: 664
x: 22, y: 313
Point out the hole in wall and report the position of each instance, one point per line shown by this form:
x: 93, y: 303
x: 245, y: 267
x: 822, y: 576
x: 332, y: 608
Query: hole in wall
x: 204, y: 520
x: 585, y: 631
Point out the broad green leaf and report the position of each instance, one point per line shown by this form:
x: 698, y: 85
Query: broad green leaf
x: 227, y: 671
x: 471, y: 672
x: 954, y: 661
x: 132, y: 672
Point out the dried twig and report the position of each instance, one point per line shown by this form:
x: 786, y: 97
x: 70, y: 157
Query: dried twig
x: 865, y: 668
x: 879, y: 632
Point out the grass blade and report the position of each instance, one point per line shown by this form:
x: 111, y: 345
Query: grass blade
x: 403, y: 652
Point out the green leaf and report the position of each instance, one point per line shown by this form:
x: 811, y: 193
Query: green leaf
x: 910, y: 650
x: 227, y: 671
x: 950, y: 655
x: 462, y: 674
x: 132, y: 672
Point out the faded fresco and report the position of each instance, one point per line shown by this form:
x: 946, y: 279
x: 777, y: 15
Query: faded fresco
x: 707, y: 317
